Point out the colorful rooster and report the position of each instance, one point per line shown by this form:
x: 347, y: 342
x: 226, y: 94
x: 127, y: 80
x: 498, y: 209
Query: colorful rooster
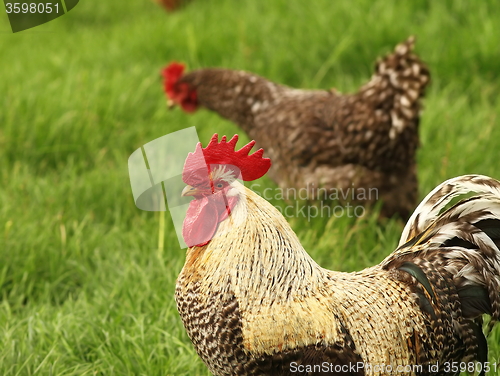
x: 254, y: 302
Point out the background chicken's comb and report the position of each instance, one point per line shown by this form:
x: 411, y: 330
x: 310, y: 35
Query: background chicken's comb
x: 171, y: 74
x: 251, y: 166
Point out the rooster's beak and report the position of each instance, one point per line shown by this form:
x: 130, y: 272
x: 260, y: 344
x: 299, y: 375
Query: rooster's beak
x: 189, y: 191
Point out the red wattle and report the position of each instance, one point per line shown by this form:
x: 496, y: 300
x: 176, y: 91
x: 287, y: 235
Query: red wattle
x: 203, y: 217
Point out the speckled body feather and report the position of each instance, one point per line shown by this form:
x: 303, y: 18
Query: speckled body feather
x: 254, y: 303
x: 323, y: 139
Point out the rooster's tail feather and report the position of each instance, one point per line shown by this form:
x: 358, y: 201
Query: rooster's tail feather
x: 452, y: 255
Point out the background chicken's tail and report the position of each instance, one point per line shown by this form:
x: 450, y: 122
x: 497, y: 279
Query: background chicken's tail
x: 397, y: 86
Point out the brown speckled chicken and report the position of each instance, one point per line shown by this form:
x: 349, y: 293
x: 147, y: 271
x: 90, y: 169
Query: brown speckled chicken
x: 254, y: 302
x: 357, y: 143
x: 170, y: 5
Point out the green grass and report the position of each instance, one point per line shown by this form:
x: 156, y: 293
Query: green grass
x: 85, y: 288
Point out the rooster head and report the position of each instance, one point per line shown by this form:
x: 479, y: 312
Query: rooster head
x: 210, y: 174
x: 178, y: 92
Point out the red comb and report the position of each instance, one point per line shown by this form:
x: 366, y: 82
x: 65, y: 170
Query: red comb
x: 171, y: 74
x: 251, y: 166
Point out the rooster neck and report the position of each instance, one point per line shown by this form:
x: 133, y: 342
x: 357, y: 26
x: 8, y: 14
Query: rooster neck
x: 255, y: 254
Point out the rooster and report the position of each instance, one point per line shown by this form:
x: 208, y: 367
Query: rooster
x: 334, y: 146
x: 253, y: 301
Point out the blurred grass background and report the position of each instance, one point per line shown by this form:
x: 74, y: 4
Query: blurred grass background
x: 85, y: 287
